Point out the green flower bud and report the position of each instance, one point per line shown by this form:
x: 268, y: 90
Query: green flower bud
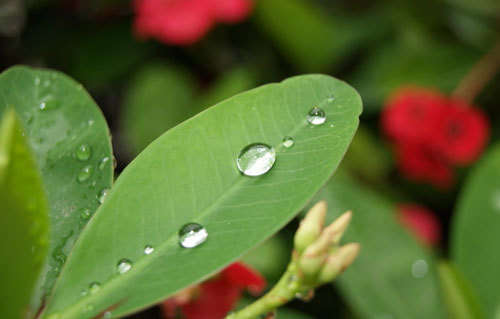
x: 338, y: 261
x: 310, y: 227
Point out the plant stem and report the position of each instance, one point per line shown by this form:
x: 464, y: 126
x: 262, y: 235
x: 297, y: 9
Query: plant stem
x: 480, y: 74
x: 285, y: 290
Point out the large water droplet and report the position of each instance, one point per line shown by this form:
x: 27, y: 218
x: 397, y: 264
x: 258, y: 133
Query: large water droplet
x: 148, y: 249
x: 103, y: 162
x: 94, y: 287
x: 123, y: 266
x: 101, y: 197
x: 316, y: 116
x: 419, y: 268
x: 83, y: 152
x: 192, y: 235
x: 84, y: 174
x: 288, y: 141
x: 256, y: 159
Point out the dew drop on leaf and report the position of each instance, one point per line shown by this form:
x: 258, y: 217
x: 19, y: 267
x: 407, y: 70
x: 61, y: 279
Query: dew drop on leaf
x: 419, y: 268
x: 103, y: 162
x: 123, y: 266
x: 48, y: 103
x: 192, y: 235
x: 101, y: 197
x: 330, y: 99
x: 148, y: 249
x: 83, y: 152
x: 84, y: 174
x: 316, y: 116
x: 86, y: 213
x: 94, y: 287
x: 256, y: 159
x: 288, y: 141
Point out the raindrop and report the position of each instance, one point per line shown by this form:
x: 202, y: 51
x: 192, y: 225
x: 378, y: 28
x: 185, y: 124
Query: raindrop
x: 148, y: 249
x: 192, y: 235
x: 94, y: 287
x: 86, y: 214
x: 103, y: 162
x: 288, y: 141
x: 256, y: 159
x: 48, y: 103
x: 83, y: 152
x: 90, y: 122
x: 419, y: 268
x: 123, y: 266
x: 84, y: 174
x: 330, y: 99
x: 316, y: 116
x: 102, y: 195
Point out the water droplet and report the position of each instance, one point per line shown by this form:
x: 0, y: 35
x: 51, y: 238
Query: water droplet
x: 192, y: 235
x: 84, y: 174
x: 148, y: 249
x: 90, y: 122
x: 86, y: 214
x: 316, y: 116
x: 124, y: 265
x: 419, y: 268
x: 102, y: 195
x: 48, y: 103
x: 330, y: 99
x: 288, y: 141
x: 103, y: 162
x: 256, y: 159
x: 94, y: 287
x: 83, y: 152
x: 107, y: 315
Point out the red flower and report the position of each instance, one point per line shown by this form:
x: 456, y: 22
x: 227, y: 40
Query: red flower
x: 422, y: 165
x: 432, y: 133
x: 411, y: 113
x: 214, y: 298
x: 184, y: 22
x: 421, y: 222
x: 461, y: 134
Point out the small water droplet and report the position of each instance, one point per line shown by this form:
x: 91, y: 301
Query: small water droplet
x: 103, y: 162
x: 316, y: 116
x: 90, y: 122
x: 123, y: 266
x: 419, y: 268
x: 84, y: 174
x: 107, y: 315
x: 148, y: 249
x: 86, y: 214
x: 256, y: 159
x: 288, y: 141
x: 83, y: 152
x: 101, y: 197
x: 48, y: 103
x: 94, y: 287
x: 192, y: 235
x: 330, y: 99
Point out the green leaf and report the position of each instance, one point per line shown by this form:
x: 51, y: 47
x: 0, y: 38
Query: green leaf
x: 393, y: 276
x: 475, y: 231
x: 461, y: 301
x: 59, y: 117
x: 394, y: 66
x: 23, y: 220
x: 311, y: 39
x: 189, y: 174
x: 486, y: 7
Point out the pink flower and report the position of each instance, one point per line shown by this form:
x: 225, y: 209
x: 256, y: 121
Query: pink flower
x: 421, y: 222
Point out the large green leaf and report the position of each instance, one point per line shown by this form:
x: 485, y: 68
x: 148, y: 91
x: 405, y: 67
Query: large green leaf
x: 393, y: 277
x: 23, y: 220
x: 189, y: 174
x: 60, y: 117
x: 475, y: 231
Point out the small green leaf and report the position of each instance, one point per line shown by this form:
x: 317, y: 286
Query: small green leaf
x: 70, y: 141
x: 461, y: 301
x: 23, y: 220
x: 189, y: 175
x: 475, y: 231
x: 393, y: 276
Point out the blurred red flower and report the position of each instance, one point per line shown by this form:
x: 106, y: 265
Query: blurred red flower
x: 214, y: 298
x: 431, y: 133
x: 421, y: 222
x: 184, y: 22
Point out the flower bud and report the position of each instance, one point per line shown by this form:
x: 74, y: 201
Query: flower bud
x: 311, y: 226
x: 338, y: 261
x: 336, y: 229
